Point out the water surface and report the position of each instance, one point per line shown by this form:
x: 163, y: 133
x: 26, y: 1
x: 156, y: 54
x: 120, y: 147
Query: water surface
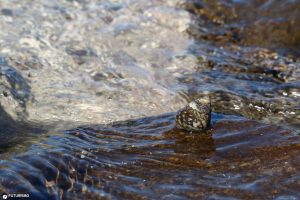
x: 89, y: 91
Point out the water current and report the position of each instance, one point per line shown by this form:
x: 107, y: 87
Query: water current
x: 89, y: 91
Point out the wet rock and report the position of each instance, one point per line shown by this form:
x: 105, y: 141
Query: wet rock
x: 195, y: 116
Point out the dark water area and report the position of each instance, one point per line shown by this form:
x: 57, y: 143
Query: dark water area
x: 149, y: 159
x: 243, y: 54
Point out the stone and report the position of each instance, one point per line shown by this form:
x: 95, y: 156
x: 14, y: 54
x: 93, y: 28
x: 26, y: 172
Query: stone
x: 195, y: 116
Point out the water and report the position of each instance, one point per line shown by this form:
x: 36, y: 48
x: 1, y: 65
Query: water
x: 148, y: 158
x: 113, y: 73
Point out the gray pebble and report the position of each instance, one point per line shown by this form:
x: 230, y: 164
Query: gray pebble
x: 195, y: 116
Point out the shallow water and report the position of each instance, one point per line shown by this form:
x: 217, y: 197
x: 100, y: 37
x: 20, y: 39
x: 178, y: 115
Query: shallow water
x: 148, y: 158
x: 129, y: 65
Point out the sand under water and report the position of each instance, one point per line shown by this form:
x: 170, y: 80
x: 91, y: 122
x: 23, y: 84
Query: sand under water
x: 89, y: 91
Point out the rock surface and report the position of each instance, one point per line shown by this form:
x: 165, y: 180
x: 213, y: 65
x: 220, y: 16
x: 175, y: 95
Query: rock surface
x: 195, y: 116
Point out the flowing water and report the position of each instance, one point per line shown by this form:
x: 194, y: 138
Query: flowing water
x: 89, y: 91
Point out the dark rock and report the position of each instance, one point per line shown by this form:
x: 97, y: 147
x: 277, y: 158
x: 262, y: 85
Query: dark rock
x: 195, y: 116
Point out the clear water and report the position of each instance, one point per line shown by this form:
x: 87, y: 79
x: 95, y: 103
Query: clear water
x: 119, y: 70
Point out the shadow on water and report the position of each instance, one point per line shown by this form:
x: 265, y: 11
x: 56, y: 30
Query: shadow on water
x: 15, y: 134
x: 149, y: 158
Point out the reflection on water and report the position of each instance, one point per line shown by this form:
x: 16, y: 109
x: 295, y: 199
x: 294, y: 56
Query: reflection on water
x: 68, y: 63
x: 149, y: 158
x: 202, y: 144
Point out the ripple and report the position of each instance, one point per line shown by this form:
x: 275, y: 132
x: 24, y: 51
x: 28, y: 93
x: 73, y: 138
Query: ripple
x: 237, y: 158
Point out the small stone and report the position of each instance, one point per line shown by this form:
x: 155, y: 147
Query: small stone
x: 195, y: 116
